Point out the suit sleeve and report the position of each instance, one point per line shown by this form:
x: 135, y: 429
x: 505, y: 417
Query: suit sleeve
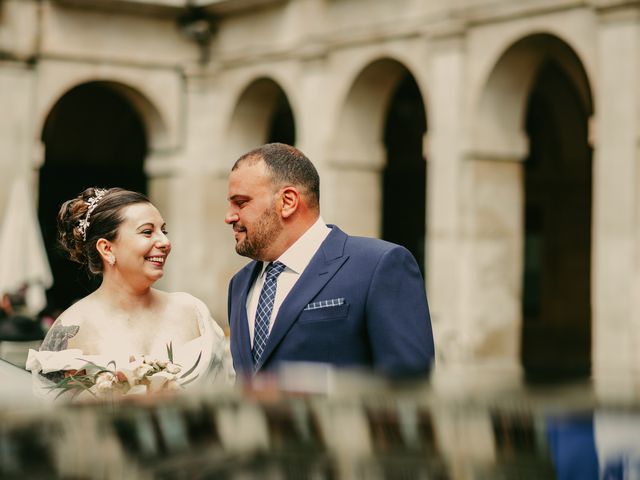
x: 398, y: 320
x: 229, y: 296
x: 232, y: 328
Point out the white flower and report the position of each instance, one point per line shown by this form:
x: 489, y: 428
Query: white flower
x: 142, y: 375
x: 142, y: 370
x: 136, y: 371
x: 172, y: 368
x: 158, y: 380
x: 105, y: 382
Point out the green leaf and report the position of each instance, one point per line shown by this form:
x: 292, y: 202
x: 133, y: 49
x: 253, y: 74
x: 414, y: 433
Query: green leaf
x: 170, y: 351
x: 99, y: 367
x: 193, y: 367
x: 188, y: 381
x: 74, y: 383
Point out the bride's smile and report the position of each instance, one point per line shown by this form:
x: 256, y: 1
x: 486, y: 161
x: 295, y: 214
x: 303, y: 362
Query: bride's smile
x: 142, y: 245
x: 159, y: 260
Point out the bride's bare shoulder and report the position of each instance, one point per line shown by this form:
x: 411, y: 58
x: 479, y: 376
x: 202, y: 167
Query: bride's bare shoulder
x: 181, y: 300
x: 186, y: 307
x: 72, y: 328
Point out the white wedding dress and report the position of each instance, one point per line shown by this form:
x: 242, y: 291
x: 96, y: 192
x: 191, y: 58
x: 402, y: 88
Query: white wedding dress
x: 215, y: 365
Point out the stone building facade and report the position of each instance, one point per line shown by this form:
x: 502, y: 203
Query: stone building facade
x: 496, y: 139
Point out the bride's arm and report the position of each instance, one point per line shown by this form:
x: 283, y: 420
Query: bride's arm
x: 216, y: 354
x: 58, y: 336
x: 56, y: 340
x: 49, y: 363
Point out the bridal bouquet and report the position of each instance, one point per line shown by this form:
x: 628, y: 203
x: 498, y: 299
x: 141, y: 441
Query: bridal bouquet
x: 141, y: 375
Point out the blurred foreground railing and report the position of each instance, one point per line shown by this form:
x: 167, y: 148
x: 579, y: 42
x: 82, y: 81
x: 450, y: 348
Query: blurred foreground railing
x: 358, y: 427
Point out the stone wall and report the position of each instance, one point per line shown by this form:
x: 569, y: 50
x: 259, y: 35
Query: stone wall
x: 337, y: 64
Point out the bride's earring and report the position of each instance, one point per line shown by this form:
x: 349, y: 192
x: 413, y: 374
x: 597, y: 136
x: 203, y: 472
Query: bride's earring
x: 111, y: 260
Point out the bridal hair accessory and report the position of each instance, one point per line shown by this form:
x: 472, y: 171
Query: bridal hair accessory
x: 83, y: 224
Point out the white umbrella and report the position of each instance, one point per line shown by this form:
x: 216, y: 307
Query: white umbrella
x: 23, y: 259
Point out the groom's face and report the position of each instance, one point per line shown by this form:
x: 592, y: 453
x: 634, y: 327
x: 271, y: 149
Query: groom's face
x: 252, y: 211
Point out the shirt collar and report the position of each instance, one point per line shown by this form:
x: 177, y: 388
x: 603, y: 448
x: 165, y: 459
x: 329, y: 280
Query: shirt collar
x: 297, y: 256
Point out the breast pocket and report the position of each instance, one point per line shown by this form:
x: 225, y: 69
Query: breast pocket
x: 325, y: 314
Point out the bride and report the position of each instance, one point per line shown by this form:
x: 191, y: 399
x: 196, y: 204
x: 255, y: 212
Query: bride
x: 121, y: 236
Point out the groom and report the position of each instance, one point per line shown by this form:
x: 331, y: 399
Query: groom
x: 314, y: 293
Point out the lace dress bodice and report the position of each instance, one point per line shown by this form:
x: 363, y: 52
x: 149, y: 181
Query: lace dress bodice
x: 212, y: 346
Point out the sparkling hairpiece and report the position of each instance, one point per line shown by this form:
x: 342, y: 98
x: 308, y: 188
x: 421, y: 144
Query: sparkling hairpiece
x: 92, y: 202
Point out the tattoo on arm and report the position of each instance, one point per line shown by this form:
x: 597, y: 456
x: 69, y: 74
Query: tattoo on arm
x: 54, y: 377
x: 58, y: 337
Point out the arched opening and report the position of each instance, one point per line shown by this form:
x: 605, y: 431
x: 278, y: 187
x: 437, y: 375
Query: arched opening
x: 404, y: 175
x: 281, y: 126
x: 93, y: 136
x: 263, y: 114
x: 531, y: 155
x: 556, y: 305
x: 377, y: 157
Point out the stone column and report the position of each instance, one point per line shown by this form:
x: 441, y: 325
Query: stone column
x: 475, y: 239
x: 492, y: 262
x: 444, y: 157
x: 353, y: 192
x: 204, y: 258
x: 161, y: 167
x: 616, y: 266
x: 474, y: 235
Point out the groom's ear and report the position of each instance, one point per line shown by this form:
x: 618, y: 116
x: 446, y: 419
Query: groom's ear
x: 104, y: 248
x: 290, y: 200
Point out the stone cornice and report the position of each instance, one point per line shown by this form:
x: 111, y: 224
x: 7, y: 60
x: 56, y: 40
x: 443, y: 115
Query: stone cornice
x: 222, y: 7
x: 617, y: 10
x: 142, y: 7
x: 613, y: 4
x: 319, y: 45
x: 169, y: 7
x: 498, y: 11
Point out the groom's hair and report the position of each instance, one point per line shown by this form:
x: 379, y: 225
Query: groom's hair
x: 104, y: 219
x: 287, y: 165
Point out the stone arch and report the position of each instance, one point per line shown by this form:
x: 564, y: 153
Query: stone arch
x: 364, y: 159
x: 154, y: 124
x: 357, y: 138
x: 499, y: 128
x: 157, y: 129
x: 537, y: 80
x: 263, y: 113
x: 96, y: 134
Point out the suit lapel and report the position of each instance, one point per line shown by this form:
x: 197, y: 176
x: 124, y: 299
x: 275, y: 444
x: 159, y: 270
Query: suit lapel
x: 243, y: 340
x: 323, y: 266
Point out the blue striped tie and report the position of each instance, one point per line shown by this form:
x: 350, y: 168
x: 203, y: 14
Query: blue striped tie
x: 263, y: 313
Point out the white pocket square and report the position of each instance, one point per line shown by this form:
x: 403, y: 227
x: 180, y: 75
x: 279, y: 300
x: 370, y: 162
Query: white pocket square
x: 334, y: 302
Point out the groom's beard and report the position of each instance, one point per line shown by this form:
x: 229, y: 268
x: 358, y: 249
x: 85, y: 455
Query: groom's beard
x: 266, y: 228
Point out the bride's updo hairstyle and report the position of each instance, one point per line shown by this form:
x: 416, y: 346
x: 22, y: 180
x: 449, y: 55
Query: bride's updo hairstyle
x: 95, y: 213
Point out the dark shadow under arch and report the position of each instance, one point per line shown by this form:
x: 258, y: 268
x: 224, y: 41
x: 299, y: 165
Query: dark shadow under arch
x: 556, y: 336
x: 404, y: 176
x: 263, y: 114
x: 93, y: 136
x: 282, y: 126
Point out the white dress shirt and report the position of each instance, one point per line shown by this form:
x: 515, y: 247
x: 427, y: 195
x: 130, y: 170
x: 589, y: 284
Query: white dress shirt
x: 295, y: 258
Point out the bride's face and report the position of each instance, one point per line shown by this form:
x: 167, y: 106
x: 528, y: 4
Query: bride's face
x: 141, y: 247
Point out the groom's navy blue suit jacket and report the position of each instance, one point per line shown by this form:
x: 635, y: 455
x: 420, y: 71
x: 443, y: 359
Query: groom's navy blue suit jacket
x: 360, y: 302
